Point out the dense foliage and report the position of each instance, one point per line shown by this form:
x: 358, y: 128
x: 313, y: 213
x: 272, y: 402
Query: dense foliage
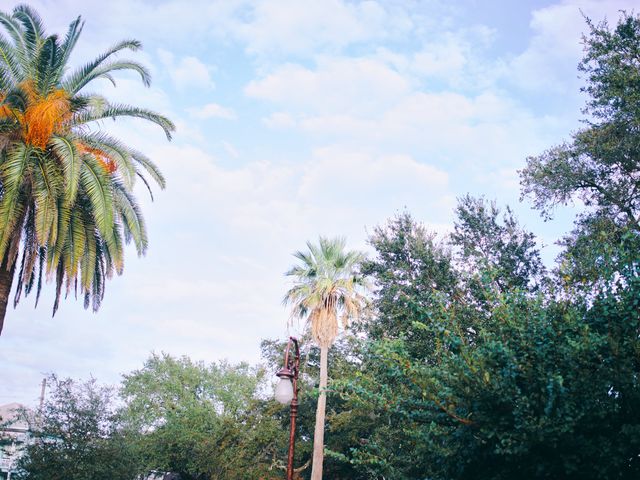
x: 78, y: 435
x: 497, y: 370
x: 201, y: 422
x: 543, y: 388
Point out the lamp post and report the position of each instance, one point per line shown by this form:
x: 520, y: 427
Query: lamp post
x: 287, y: 392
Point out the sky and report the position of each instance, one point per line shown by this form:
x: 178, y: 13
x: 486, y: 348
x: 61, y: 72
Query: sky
x: 298, y: 118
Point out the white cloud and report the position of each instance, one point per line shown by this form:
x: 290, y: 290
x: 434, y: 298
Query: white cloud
x: 213, y: 110
x: 161, y: 22
x: 279, y: 120
x: 264, y: 27
x: 368, y: 101
x: 336, y: 188
x: 359, y: 85
x: 187, y: 71
x: 230, y: 149
x: 441, y: 60
x: 344, y: 177
x: 303, y: 26
x: 549, y: 62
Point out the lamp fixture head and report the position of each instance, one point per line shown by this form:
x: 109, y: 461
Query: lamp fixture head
x: 284, y: 391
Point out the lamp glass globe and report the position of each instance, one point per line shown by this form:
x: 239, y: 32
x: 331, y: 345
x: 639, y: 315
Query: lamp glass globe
x: 284, y: 391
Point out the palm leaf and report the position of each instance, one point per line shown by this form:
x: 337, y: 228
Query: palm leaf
x: 74, y: 246
x: 77, y: 77
x: 32, y: 25
x: 55, y: 250
x: 16, y: 98
x: 113, y: 111
x: 64, y: 148
x: 95, y: 183
x: 132, y: 218
x: 12, y: 173
x: 70, y: 40
x: 146, y: 184
x: 15, y: 31
x: 10, y: 70
x: 116, y: 150
x: 104, y: 71
x: 47, y: 64
x: 150, y: 167
x: 47, y: 182
x: 114, y: 252
x: 88, y: 261
x: 7, y: 125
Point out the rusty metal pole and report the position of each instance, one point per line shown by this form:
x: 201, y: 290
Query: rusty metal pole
x: 294, y: 408
x: 291, y: 370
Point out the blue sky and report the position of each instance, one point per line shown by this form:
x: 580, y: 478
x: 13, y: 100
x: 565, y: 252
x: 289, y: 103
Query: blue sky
x: 298, y: 118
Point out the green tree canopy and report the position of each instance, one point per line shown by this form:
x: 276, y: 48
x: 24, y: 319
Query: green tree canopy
x: 78, y: 435
x: 503, y: 248
x: 202, y: 421
x: 600, y: 165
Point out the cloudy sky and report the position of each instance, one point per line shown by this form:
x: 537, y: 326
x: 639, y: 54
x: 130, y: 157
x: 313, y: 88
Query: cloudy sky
x: 298, y: 118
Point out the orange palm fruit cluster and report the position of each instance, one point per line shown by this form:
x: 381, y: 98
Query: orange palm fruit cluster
x: 105, y: 160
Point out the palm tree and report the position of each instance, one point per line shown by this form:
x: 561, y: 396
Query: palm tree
x: 66, y: 205
x: 326, y: 292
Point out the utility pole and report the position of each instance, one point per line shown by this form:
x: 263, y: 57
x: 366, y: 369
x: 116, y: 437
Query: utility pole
x: 44, y: 385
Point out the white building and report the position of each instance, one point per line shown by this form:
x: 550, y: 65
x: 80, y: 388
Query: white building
x: 14, y: 435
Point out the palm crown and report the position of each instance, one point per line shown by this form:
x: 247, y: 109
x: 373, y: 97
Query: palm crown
x: 326, y: 288
x: 66, y: 205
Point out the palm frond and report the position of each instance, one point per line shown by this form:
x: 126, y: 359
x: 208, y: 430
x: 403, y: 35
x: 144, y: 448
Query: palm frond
x: 77, y: 77
x: 45, y: 77
x: 114, y: 149
x: 115, y: 110
x: 32, y: 26
x: 7, y: 125
x: 76, y: 244
x: 15, y: 31
x: 47, y: 185
x: 91, y: 101
x: 59, y: 282
x: 114, y: 252
x: 12, y: 174
x: 146, y: 184
x: 56, y: 249
x: 150, y: 167
x: 104, y: 71
x: 95, y: 182
x: 16, y: 99
x: 64, y: 148
x: 133, y: 221
x: 10, y: 69
x: 88, y: 261
x: 324, y: 291
x: 41, y: 257
x: 69, y: 43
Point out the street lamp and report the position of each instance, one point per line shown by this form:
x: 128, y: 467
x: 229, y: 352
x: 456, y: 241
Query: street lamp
x: 287, y: 392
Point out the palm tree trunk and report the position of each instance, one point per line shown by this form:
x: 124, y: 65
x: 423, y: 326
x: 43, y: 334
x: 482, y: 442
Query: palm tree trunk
x: 318, y: 435
x: 6, y: 280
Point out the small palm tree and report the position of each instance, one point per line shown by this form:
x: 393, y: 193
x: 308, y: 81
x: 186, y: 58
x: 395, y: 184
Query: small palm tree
x: 327, y: 292
x: 66, y: 202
